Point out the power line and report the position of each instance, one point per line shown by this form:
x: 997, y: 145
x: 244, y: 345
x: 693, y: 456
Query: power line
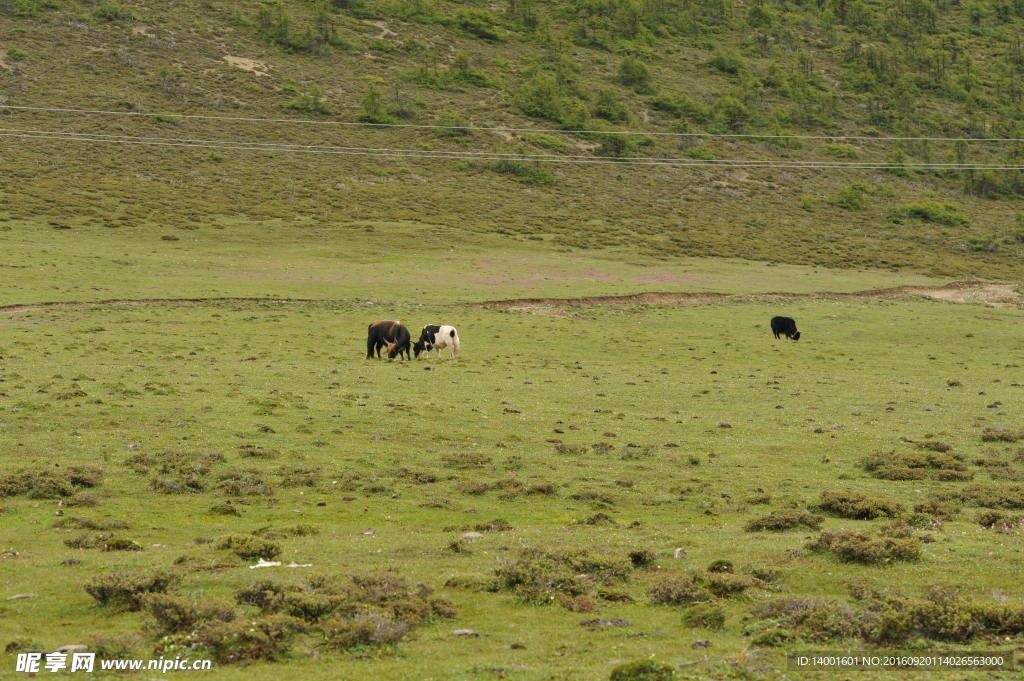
x: 486, y: 156
x: 504, y: 129
x: 465, y: 155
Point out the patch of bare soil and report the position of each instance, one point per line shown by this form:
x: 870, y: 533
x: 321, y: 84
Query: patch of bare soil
x: 246, y: 64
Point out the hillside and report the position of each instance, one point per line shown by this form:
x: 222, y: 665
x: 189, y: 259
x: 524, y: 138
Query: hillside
x: 778, y: 72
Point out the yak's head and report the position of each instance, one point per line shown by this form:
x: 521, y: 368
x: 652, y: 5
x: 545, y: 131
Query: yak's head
x: 393, y: 350
x: 796, y: 336
x: 420, y: 347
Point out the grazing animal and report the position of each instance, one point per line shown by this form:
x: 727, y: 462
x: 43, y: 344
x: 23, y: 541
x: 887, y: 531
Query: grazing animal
x: 785, y: 326
x: 437, y: 337
x: 394, y: 335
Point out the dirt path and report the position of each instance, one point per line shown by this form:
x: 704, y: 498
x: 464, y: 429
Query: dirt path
x: 993, y: 295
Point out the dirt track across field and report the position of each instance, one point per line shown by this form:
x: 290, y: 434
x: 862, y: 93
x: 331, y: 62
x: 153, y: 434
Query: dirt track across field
x: 993, y: 295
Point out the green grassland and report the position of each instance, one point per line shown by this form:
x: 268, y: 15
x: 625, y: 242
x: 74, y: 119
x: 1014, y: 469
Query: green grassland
x: 870, y: 69
x: 183, y: 387
x: 175, y: 408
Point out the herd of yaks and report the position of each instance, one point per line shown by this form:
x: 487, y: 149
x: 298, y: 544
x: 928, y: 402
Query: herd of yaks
x: 397, y: 339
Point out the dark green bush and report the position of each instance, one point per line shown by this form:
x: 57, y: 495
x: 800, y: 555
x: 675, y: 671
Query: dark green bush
x: 990, y: 518
x: 989, y: 496
x: 936, y: 508
x: 779, y: 521
x: 227, y: 508
x: 856, y: 547
x: 643, y: 670
x: 124, y: 590
x: 537, y: 575
x: 364, y: 630
x: 1001, y: 435
x: 930, y: 211
x: 121, y: 544
x: 704, y: 616
x: 241, y: 641
x: 175, y: 614
x: 860, y: 506
x: 679, y: 590
x: 74, y: 523
x: 246, y: 546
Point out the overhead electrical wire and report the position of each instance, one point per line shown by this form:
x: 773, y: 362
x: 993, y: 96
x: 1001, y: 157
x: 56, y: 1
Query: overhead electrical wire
x: 484, y: 156
x: 139, y: 114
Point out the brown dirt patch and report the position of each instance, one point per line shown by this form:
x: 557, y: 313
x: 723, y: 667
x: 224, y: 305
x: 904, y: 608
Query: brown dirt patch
x: 246, y: 64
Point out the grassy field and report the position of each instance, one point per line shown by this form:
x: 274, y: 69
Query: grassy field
x: 626, y: 430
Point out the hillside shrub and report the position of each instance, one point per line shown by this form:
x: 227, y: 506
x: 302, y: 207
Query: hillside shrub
x: 647, y: 669
x: 704, y: 616
x: 856, y: 547
x: 779, y: 521
x: 930, y: 211
x: 247, y: 546
x: 859, y: 506
x: 989, y: 496
x: 1001, y: 435
x: 173, y: 614
x: 125, y: 590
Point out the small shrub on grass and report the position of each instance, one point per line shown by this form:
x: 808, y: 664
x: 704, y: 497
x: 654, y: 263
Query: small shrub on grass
x: 938, y: 509
x: 597, y: 519
x: 496, y: 525
x: 364, y: 630
x: 930, y: 211
x: 860, y: 506
x: 704, y: 616
x: 524, y: 173
x: 678, y: 590
x: 248, y: 482
x: 536, y: 575
x: 721, y: 566
x: 643, y: 670
x: 642, y: 558
x: 545, y: 488
x: 574, y: 450
x: 83, y: 541
x: 254, y: 452
x: 472, y: 487
x: 121, y: 544
x: 246, y: 546
x: 182, y: 484
x: 575, y: 603
x: 175, y: 614
x: 587, y: 494
x: 992, y: 518
x: 933, y: 446
x: 45, y: 483
x: 855, y: 547
x: 1001, y: 435
x: 899, y: 473
x: 779, y: 521
x: 227, y: 508
x: 601, y: 447
x: 73, y: 523
x: 266, y: 638
x: 83, y: 499
x: 124, y: 590
x: 815, y: 619
x: 466, y: 460
x: 933, y: 465
x: 989, y: 496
